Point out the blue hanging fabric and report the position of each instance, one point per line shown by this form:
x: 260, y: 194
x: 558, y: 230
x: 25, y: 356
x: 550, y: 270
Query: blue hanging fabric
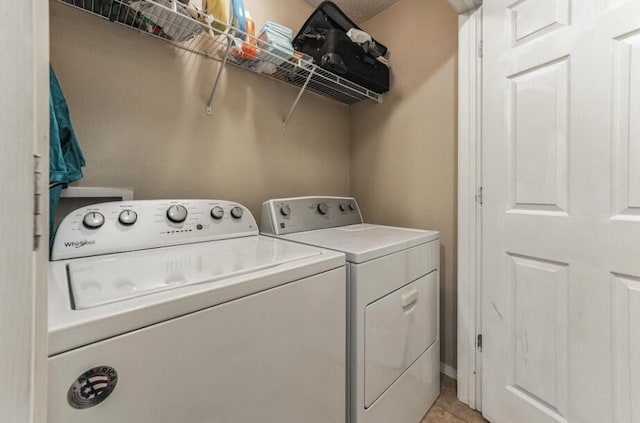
x: 65, y: 157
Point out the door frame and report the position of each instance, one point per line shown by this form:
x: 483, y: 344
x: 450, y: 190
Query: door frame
x: 469, y: 207
x: 24, y: 118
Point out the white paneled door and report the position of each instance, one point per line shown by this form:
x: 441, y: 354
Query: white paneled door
x: 561, y: 217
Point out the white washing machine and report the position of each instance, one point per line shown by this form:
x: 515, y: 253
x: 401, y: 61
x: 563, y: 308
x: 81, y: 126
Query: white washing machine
x: 178, y: 311
x: 393, y: 282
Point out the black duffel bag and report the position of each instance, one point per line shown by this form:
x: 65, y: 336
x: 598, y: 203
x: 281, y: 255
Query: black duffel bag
x: 324, y: 37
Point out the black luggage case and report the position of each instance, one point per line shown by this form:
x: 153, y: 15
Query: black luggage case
x: 334, y: 51
x: 324, y: 38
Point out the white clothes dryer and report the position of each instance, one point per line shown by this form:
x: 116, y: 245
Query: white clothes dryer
x: 393, y: 283
x: 178, y: 311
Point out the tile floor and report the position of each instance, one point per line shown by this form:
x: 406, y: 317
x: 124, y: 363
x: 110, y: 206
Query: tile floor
x: 448, y: 409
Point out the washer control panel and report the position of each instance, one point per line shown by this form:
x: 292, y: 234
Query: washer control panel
x: 289, y: 215
x: 121, y: 226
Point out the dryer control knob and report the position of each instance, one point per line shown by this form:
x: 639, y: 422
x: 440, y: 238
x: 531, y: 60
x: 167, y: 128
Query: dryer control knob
x: 93, y: 220
x: 343, y: 207
x: 323, y: 208
x: 237, y: 212
x: 177, y: 213
x: 128, y: 217
x: 285, y: 210
x: 352, y: 206
x: 217, y: 212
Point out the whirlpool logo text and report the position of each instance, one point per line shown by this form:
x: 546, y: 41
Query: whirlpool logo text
x: 78, y: 244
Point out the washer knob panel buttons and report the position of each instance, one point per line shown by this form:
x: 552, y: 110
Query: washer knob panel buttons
x: 352, y: 207
x: 177, y: 214
x: 128, y: 217
x: 217, y: 212
x: 343, y: 207
x: 237, y: 212
x: 323, y: 209
x: 93, y: 220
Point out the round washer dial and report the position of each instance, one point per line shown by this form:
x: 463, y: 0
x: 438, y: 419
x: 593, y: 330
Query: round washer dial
x: 128, y: 217
x: 177, y: 213
x: 323, y: 209
x: 217, y: 212
x: 237, y: 212
x: 93, y: 220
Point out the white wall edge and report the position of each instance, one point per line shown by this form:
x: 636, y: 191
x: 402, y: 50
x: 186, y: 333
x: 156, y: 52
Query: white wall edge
x: 24, y: 119
x: 448, y: 371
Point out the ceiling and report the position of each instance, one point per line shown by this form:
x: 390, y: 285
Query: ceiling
x: 359, y: 10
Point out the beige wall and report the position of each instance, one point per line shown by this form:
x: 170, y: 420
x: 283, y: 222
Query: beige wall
x: 403, y: 151
x: 138, y: 107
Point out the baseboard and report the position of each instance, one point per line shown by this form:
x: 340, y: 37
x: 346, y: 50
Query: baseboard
x: 448, y: 371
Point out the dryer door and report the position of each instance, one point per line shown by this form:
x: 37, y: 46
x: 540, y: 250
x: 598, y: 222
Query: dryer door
x: 398, y: 329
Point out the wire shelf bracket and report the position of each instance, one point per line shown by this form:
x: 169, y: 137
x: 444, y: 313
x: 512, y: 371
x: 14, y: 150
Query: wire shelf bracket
x: 297, y: 100
x: 209, y: 108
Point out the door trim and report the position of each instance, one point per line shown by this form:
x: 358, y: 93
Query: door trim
x: 469, y: 206
x: 24, y: 117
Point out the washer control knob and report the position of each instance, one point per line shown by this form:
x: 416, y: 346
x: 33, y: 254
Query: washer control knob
x: 217, y: 212
x: 93, y: 220
x: 128, y: 217
x: 343, y: 207
x: 323, y: 208
x: 177, y: 213
x: 352, y: 206
x: 237, y: 212
x: 285, y: 210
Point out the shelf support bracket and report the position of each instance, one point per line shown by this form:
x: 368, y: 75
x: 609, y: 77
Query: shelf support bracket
x: 297, y: 100
x: 220, y: 70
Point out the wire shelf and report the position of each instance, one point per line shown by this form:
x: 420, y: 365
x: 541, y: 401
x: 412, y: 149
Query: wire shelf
x: 189, y: 29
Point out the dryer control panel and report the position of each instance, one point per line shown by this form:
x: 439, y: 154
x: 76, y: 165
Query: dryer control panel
x: 300, y: 214
x: 122, y: 226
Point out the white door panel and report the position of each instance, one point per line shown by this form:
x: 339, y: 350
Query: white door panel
x: 626, y: 344
x: 561, y: 218
x: 626, y: 128
x: 538, y: 139
x: 534, y: 18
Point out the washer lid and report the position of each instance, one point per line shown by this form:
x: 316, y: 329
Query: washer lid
x: 95, y: 298
x: 99, y: 281
x: 364, y: 242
